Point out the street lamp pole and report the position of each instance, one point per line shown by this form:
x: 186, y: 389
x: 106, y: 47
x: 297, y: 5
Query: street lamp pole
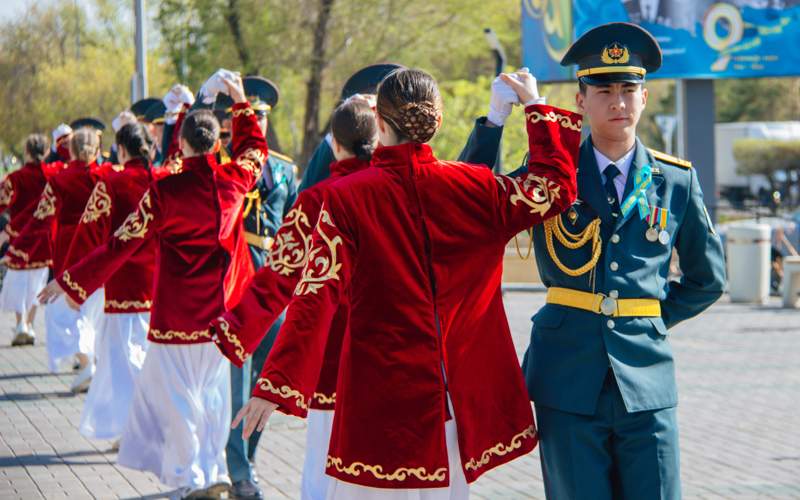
x: 140, y: 76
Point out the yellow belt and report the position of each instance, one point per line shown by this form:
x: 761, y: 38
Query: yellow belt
x: 601, y: 304
x: 262, y: 242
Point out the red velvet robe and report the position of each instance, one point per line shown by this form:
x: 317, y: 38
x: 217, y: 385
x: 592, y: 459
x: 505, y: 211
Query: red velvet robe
x: 239, y: 331
x: 195, y: 215
x: 33, y: 251
x: 417, y: 244
x: 19, y: 194
x: 58, y: 214
x: 116, y: 194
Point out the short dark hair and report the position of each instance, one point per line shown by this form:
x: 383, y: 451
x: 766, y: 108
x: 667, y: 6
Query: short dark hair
x: 136, y: 140
x: 581, y: 87
x: 201, y: 130
x: 36, y: 146
x: 354, y: 127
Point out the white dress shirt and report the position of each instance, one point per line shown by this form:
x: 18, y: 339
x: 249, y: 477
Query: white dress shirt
x: 624, y: 166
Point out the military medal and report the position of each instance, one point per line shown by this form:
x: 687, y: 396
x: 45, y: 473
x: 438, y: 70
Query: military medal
x: 657, y: 220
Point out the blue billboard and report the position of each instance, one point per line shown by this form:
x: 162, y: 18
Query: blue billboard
x: 700, y: 38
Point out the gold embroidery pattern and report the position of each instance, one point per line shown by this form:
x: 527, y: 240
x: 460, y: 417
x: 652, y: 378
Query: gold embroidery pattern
x: 47, y: 204
x: 135, y: 225
x: 18, y: 253
x: 129, y: 304
x: 564, y: 121
x: 400, y: 474
x: 539, y: 193
x: 244, y: 111
x: 284, y: 391
x: 292, y: 243
x: 232, y: 338
x: 99, y: 204
x: 320, y: 268
x: 74, y: 286
x: 175, y: 334
x: 252, y: 160
x: 501, y: 449
x: 30, y: 265
x: 324, y: 399
x: 6, y: 192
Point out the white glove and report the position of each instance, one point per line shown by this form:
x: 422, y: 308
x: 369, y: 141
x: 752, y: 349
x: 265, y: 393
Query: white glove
x: 216, y: 84
x: 123, y: 119
x: 60, y: 131
x: 528, y: 81
x: 177, y: 96
x: 501, y: 102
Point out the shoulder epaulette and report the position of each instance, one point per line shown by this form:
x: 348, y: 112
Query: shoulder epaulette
x: 672, y: 160
x: 281, y: 156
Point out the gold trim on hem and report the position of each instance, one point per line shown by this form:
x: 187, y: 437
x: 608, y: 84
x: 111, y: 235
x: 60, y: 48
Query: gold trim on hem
x: 233, y: 339
x: 324, y: 399
x: 552, y: 116
x: 501, y: 449
x: 129, y: 304
x: 399, y: 474
x: 177, y: 334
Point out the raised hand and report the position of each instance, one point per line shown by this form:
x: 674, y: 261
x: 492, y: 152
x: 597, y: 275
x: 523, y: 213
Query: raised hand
x: 235, y: 87
x: 255, y: 415
x: 524, y: 85
x: 501, y: 102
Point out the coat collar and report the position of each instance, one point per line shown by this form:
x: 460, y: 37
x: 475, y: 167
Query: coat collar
x: 200, y: 162
x: 408, y: 155
x: 347, y: 166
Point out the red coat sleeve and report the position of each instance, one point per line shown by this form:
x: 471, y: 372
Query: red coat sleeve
x: 550, y: 185
x: 239, y: 331
x: 7, y: 193
x: 83, y: 278
x: 292, y: 369
x: 95, y: 225
x: 249, y: 147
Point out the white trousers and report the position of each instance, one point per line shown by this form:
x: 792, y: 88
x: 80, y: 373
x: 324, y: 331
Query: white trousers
x: 314, y: 485
x: 20, y: 288
x: 70, y: 332
x: 121, y: 346
x: 180, y: 416
x: 458, y: 489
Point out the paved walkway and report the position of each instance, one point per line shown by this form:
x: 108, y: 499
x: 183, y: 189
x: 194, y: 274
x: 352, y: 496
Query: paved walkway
x: 738, y: 372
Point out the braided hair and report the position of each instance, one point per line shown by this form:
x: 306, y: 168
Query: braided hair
x: 409, y: 101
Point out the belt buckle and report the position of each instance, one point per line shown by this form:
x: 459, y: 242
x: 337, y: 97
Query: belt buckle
x: 608, y: 306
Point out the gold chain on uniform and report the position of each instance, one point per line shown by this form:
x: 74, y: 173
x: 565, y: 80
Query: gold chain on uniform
x: 555, y: 225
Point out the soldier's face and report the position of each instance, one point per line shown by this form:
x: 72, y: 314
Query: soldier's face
x: 613, y: 110
x: 262, y: 123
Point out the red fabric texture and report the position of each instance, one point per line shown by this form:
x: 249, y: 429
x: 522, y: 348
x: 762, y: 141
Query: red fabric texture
x: 203, y: 263
x: 240, y: 330
x: 19, y: 195
x: 417, y: 245
x: 116, y: 194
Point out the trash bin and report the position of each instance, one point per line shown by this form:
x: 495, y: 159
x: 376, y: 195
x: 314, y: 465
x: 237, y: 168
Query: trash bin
x: 749, y: 262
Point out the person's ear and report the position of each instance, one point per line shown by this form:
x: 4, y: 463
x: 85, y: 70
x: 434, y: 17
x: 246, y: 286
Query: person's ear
x: 381, y: 123
x: 439, y: 121
x: 579, y: 101
x: 337, y: 148
x: 644, y: 97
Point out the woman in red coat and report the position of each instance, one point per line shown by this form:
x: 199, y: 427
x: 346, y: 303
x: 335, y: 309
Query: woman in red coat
x: 430, y: 394
x: 122, y: 334
x: 70, y: 333
x: 19, y: 194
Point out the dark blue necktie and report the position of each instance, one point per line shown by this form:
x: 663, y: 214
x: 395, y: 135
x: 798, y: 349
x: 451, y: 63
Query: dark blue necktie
x: 610, y: 173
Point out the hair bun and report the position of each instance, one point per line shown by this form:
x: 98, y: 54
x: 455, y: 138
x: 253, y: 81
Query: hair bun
x: 419, y: 120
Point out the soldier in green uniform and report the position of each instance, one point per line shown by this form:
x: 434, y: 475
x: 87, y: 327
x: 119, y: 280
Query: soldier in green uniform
x: 599, y: 367
x: 264, y: 210
x: 154, y: 117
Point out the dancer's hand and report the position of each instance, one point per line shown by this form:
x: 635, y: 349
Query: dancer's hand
x: 51, y: 293
x: 255, y: 415
x: 4, y: 237
x: 235, y: 87
x: 524, y: 84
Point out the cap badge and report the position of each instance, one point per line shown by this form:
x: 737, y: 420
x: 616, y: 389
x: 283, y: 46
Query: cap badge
x: 615, y: 54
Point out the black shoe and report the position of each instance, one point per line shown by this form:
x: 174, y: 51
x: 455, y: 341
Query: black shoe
x: 246, y: 490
